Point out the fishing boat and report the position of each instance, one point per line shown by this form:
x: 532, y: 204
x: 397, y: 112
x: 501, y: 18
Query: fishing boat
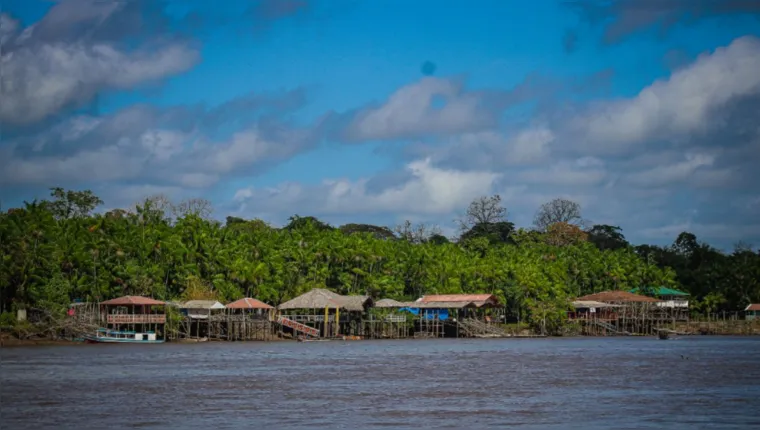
x: 113, y: 336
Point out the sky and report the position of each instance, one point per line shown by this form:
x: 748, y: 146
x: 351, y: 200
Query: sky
x: 645, y: 112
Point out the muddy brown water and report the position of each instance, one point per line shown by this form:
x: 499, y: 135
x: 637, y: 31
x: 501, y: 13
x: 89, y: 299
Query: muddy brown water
x: 590, y: 383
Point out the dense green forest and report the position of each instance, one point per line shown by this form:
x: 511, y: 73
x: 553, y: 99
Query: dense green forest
x: 58, y: 250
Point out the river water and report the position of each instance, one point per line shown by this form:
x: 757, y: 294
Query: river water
x: 590, y: 383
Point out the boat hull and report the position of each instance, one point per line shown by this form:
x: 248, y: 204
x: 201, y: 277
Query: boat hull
x: 105, y: 339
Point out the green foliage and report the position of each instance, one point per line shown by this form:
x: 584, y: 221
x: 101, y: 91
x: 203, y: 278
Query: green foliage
x: 49, y: 260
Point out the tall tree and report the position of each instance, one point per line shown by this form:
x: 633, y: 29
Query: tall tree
x: 558, y: 210
x: 72, y: 204
x: 483, y: 210
x: 607, y: 237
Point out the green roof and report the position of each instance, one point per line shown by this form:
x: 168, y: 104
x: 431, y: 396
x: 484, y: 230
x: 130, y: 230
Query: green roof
x: 663, y: 291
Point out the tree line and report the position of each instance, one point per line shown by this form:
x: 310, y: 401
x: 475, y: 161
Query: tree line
x: 58, y: 250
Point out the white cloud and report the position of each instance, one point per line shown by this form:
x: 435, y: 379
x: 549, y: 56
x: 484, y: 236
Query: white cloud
x: 687, y: 102
x: 669, y: 173
x: 412, y: 111
x: 134, y: 145
x: 585, y: 171
x: 430, y: 191
x: 72, y: 54
x: 38, y: 82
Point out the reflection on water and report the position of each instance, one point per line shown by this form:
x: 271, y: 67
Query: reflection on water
x: 590, y: 383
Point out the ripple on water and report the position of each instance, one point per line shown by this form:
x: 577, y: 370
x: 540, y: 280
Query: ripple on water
x: 532, y: 383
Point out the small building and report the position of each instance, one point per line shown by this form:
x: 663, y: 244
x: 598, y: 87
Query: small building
x: 202, y: 318
x: 323, y: 311
x: 136, y: 317
x: 473, y: 315
x: 617, y: 297
x: 201, y: 309
x: 477, y: 300
x: 249, y: 306
x: 669, y: 297
x: 752, y: 312
x: 591, y: 309
x: 249, y: 319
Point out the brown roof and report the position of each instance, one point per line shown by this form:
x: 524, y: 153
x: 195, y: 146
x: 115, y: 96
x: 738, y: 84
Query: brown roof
x: 248, y: 303
x: 444, y: 305
x: 617, y: 296
x: 132, y: 301
x: 320, y: 298
x: 753, y: 307
x: 460, y: 298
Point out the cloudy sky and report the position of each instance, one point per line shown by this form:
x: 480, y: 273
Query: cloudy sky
x: 647, y: 112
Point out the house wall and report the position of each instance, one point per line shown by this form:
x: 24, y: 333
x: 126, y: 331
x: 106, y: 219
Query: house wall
x: 673, y: 304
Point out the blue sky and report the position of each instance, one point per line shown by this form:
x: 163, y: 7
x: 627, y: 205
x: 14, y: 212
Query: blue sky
x: 643, y: 111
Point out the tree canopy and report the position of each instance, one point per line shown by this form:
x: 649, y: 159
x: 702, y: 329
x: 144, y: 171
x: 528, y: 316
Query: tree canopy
x: 58, y: 251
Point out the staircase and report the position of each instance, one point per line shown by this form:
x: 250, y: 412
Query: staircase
x: 475, y: 328
x: 298, y: 327
x: 609, y: 327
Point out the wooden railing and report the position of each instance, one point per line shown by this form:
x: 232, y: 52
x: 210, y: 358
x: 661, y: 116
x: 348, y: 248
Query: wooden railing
x: 298, y: 326
x: 136, y: 319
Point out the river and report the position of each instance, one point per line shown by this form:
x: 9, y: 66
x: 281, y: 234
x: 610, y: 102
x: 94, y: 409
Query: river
x: 555, y: 383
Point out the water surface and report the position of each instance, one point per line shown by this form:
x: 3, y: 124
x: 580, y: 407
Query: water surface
x: 591, y: 383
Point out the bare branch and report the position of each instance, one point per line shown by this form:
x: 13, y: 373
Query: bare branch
x: 558, y: 210
x: 198, y: 207
x: 483, y: 210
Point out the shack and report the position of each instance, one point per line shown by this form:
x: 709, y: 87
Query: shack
x: 389, y: 319
x: 249, y: 319
x: 752, y: 312
x: 669, y: 297
x: 595, y: 317
x: 202, y: 318
x: 635, y: 313
x: 143, y: 317
x: 457, y: 315
x: 323, y: 312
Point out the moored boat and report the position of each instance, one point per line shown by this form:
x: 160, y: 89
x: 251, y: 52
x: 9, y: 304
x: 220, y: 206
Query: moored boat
x: 113, y: 336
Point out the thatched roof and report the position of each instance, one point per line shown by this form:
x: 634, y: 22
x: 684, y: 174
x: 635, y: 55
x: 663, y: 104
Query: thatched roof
x: 390, y: 303
x: 248, y: 303
x: 618, y: 297
x: 202, y: 304
x: 320, y: 298
x: 132, y: 301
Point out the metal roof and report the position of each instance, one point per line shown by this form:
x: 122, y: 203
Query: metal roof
x: 202, y: 304
x: 248, y: 303
x: 592, y: 304
x: 132, y: 301
x: 662, y: 291
x: 617, y: 296
x: 459, y: 298
x: 753, y: 307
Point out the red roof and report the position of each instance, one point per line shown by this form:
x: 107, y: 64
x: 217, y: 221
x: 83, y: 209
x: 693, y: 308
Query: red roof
x: 248, y: 303
x: 459, y: 298
x: 132, y: 301
x: 617, y: 296
x: 753, y: 307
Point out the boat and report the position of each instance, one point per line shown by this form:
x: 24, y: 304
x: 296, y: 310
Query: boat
x: 103, y: 335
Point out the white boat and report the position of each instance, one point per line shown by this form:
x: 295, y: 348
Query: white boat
x: 113, y: 336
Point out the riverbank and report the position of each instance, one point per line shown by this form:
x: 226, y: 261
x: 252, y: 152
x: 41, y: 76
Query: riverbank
x: 7, y: 340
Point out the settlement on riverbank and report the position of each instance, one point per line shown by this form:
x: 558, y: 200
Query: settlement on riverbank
x: 321, y: 314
